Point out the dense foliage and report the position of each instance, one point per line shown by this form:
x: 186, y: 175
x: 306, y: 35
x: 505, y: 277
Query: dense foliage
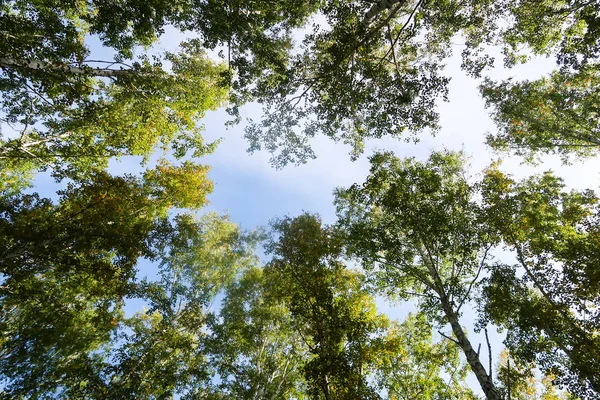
x: 82, y: 84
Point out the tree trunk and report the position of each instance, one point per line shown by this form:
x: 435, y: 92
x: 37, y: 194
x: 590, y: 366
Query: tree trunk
x: 378, y: 7
x: 326, y: 391
x: 64, y: 68
x: 485, y: 381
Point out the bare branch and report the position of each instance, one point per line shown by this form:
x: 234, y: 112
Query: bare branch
x: 466, y: 296
x: 449, y: 338
x: 487, y: 339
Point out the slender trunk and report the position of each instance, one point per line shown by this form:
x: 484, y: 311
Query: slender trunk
x: 326, y: 388
x: 485, y: 381
x: 378, y: 7
x: 283, y: 377
x: 65, y: 68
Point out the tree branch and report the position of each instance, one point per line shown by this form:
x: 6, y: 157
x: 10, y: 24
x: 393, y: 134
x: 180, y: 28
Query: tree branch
x: 377, y: 8
x: 449, y: 338
x: 466, y: 296
x: 487, y: 339
x: 38, y: 65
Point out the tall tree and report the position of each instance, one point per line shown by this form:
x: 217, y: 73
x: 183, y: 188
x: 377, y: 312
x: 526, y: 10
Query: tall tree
x: 353, y: 352
x: 520, y: 381
x: 67, y: 268
x: 375, y: 68
x: 418, y: 230
x: 255, y: 350
x: 74, y: 123
x: 550, y: 309
x: 162, y: 351
x: 413, y: 366
x: 553, y: 115
x: 558, y: 113
x: 66, y: 110
x: 372, y: 69
x: 329, y: 306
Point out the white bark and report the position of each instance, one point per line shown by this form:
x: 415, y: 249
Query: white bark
x: 377, y: 8
x: 484, y: 379
x: 68, y: 69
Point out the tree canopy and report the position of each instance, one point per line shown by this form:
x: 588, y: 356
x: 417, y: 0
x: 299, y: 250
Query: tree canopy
x: 84, y: 83
x: 369, y: 69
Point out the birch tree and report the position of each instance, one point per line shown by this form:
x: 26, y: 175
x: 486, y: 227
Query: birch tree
x: 417, y: 229
x: 67, y: 268
x: 254, y: 348
x: 329, y: 308
x: 65, y: 109
x: 162, y: 351
x: 548, y: 299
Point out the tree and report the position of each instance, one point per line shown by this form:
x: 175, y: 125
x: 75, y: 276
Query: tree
x: 418, y: 230
x: 520, y: 381
x: 553, y: 115
x: 72, y: 113
x: 74, y: 124
x: 329, y: 308
x: 376, y: 68
x: 352, y: 351
x: 255, y: 350
x: 68, y: 268
x: 162, y: 351
x: 364, y: 75
x: 558, y: 113
x: 412, y: 366
x: 550, y: 308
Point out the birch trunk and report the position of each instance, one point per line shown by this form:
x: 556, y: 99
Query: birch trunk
x: 68, y: 69
x: 485, y: 381
x: 378, y: 7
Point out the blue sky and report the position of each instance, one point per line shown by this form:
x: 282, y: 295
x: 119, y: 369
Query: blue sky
x: 252, y: 192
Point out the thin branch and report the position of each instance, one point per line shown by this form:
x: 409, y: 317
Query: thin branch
x: 109, y: 62
x: 487, y: 339
x: 415, y: 271
x: 23, y: 146
x: 464, y: 299
x: 410, y: 17
x: 45, y: 100
x: 392, y: 48
x: 449, y: 338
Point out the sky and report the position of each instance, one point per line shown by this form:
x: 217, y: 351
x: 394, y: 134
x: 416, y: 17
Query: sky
x: 253, y: 193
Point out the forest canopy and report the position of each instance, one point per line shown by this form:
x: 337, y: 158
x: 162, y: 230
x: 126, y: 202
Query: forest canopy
x: 293, y: 311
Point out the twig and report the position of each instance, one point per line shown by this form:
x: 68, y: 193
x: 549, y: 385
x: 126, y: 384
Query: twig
x: 449, y: 338
x: 487, y: 339
x: 474, y: 279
